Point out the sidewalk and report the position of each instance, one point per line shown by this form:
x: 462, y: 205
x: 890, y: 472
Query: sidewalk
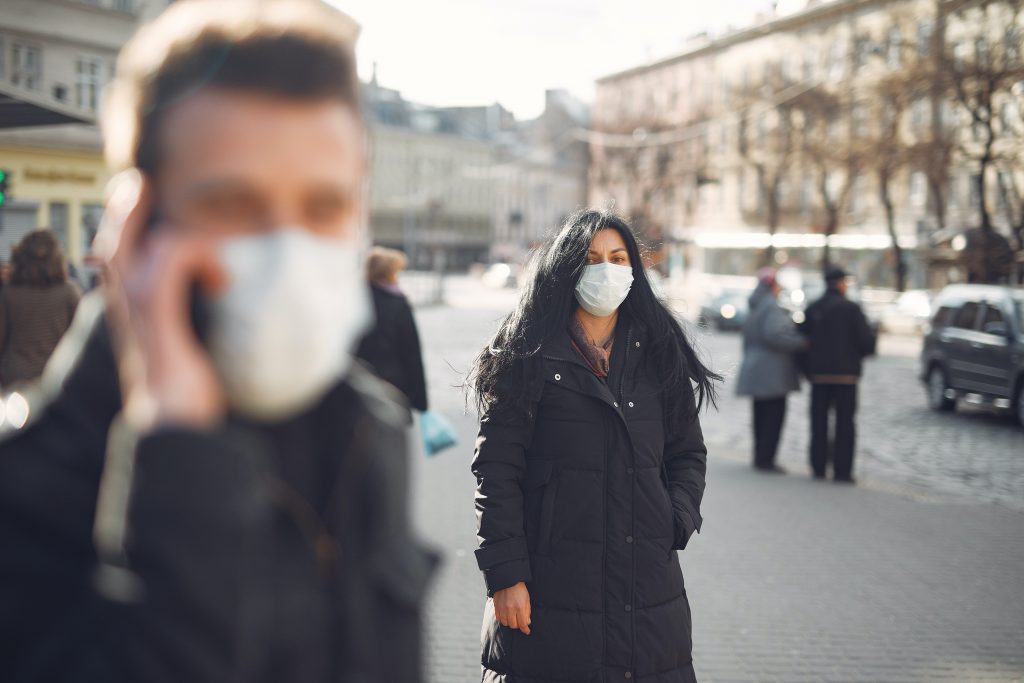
x: 796, y: 580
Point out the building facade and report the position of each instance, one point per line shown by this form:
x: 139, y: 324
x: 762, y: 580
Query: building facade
x: 55, y: 58
x: 455, y: 186
x: 802, y: 133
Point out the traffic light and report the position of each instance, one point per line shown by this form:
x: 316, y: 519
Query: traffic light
x: 5, y: 177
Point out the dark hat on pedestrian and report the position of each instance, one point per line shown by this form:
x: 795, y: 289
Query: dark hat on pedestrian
x: 834, y: 274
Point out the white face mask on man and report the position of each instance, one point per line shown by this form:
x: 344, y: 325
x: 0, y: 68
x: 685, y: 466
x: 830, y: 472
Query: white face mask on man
x: 603, y: 287
x: 285, y: 329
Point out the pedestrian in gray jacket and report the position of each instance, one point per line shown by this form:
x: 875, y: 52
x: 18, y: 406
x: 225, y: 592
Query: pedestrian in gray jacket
x: 769, y: 369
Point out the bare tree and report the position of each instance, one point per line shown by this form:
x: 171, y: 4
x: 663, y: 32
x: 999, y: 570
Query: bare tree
x: 767, y: 143
x: 982, y: 66
x: 833, y: 148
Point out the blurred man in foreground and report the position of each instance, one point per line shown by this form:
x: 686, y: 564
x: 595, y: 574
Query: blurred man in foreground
x: 207, y: 488
x: 840, y: 338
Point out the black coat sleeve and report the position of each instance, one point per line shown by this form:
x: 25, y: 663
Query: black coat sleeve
x: 685, y: 461
x: 412, y: 360
x: 499, y: 463
x: 183, y: 521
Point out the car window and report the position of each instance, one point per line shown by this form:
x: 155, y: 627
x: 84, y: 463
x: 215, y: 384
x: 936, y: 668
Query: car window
x: 966, y: 316
x: 944, y: 316
x: 992, y: 315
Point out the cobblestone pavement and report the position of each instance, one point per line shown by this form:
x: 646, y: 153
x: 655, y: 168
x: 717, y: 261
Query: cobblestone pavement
x: 914, y: 576
x: 974, y: 453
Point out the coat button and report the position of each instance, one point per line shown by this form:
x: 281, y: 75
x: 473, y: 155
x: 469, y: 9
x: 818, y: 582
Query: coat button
x: 629, y: 608
x: 638, y: 345
x: 630, y: 404
x: 629, y: 470
x: 628, y: 674
x: 615, y: 403
x: 629, y: 539
x: 557, y: 376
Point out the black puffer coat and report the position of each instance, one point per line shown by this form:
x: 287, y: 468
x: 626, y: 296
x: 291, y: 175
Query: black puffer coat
x: 587, y: 502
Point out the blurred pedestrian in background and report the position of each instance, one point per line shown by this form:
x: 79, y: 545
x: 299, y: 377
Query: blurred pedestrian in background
x: 36, y: 307
x: 214, y: 491
x: 392, y: 347
x: 769, y: 370
x: 840, y: 338
x: 590, y: 469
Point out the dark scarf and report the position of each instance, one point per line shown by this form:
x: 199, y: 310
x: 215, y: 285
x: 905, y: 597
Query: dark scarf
x: 596, y: 357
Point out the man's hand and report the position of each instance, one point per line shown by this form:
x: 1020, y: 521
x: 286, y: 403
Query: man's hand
x: 166, y: 375
x: 512, y: 607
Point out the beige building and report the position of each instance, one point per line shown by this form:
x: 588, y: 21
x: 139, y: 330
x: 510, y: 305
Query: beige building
x: 667, y: 142
x: 55, y: 58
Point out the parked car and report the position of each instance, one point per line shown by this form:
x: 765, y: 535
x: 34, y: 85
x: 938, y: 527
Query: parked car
x: 909, y: 314
x: 501, y: 275
x: 975, y: 345
x: 726, y: 310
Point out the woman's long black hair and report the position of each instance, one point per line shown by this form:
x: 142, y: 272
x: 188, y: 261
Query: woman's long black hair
x: 549, y: 300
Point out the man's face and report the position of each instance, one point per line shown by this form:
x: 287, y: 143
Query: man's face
x: 234, y: 162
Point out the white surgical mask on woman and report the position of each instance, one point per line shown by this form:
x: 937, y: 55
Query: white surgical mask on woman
x: 285, y: 329
x: 603, y: 287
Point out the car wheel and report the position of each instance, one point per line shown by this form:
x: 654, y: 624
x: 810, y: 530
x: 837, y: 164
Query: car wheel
x: 938, y: 388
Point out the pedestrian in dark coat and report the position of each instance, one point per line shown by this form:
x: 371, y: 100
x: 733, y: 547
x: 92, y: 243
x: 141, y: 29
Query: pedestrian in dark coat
x: 840, y: 338
x: 206, y: 486
x: 392, y: 347
x: 590, y: 469
x: 36, y: 307
x: 769, y: 370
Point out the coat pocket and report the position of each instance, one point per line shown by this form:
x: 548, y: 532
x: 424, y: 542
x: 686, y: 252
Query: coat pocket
x: 539, y: 490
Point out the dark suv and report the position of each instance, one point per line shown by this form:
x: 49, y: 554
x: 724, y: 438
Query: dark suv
x: 976, y: 346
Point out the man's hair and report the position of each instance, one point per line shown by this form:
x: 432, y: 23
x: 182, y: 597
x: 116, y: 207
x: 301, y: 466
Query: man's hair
x: 295, y: 49
x: 383, y: 264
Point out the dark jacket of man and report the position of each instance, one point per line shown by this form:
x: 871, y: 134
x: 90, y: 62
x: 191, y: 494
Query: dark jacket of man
x: 242, y: 553
x: 840, y: 338
x: 392, y: 348
x: 586, y: 497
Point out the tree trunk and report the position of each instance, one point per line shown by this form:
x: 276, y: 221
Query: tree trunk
x: 773, y: 226
x: 900, y: 267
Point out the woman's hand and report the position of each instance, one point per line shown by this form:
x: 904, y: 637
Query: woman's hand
x: 166, y: 375
x: 512, y: 607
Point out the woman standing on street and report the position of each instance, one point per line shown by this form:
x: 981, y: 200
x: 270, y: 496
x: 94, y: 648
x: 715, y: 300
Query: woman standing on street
x: 590, y: 469
x: 769, y: 370
x: 36, y: 307
x: 392, y: 347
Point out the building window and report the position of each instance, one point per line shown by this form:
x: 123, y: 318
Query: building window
x: 26, y: 66
x: 59, y: 222
x: 810, y: 64
x: 124, y: 5
x: 88, y: 76
x: 918, y: 114
x: 91, y: 215
x: 975, y: 197
x: 924, y: 38
x: 1011, y: 43
x: 895, y: 46
x: 917, y: 190
x: 837, y: 56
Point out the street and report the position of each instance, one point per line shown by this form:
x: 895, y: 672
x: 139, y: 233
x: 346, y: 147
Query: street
x: 913, y: 575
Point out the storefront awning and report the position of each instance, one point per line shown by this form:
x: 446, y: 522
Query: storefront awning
x: 19, y: 109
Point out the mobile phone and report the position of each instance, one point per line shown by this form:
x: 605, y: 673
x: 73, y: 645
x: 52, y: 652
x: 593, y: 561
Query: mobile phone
x: 199, y: 310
